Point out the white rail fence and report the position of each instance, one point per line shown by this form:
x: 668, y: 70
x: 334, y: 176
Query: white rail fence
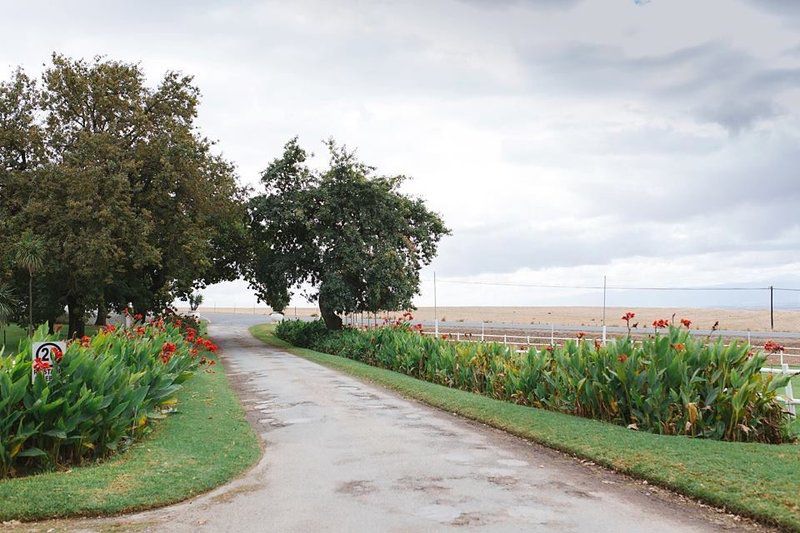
x: 521, y: 344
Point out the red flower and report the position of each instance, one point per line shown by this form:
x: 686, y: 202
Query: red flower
x: 40, y: 366
x: 110, y: 328
x: 628, y: 316
x: 660, y: 323
x: 167, y: 351
x: 206, y: 344
x: 686, y: 322
x: 679, y: 346
x: 580, y: 335
x: 58, y: 354
x: 86, y: 341
x: 773, y: 347
x: 622, y: 357
x: 138, y: 317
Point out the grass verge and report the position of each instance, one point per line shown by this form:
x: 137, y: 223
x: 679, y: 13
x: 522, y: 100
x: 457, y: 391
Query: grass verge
x: 206, y: 443
x: 756, y: 480
x: 11, y: 334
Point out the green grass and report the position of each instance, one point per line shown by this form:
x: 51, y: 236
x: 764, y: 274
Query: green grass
x: 206, y: 443
x: 14, y: 333
x: 11, y: 334
x: 757, y: 480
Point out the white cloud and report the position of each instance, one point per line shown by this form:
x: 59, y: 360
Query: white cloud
x: 561, y: 141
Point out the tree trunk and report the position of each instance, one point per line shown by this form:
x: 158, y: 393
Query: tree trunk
x: 102, y: 315
x: 51, y: 326
x: 30, y: 303
x: 77, y: 325
x: 332, y: 320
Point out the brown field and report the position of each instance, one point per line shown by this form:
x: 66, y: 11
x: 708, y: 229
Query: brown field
x: 702, y: 318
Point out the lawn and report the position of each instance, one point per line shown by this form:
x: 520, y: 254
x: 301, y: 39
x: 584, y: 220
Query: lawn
x: 206, y: 443
x: 757, y: 480
x: 11, y: 334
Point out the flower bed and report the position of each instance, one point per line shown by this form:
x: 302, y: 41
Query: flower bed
x: 102, y: 393
x: 672, y: 383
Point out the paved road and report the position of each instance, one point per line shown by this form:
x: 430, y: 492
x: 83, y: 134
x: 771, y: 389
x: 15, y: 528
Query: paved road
x: 342, y: 455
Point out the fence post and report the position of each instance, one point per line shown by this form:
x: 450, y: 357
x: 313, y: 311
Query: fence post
x: 771, y: 309
x: 788, y: 392
x: 552, y: 335
x: 483, y: 330
x: 435, y: 308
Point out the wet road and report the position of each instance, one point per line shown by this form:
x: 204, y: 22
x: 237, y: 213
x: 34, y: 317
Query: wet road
x: 342, y: 455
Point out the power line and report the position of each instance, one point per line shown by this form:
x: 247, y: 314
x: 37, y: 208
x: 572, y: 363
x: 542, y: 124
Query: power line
x: 609, y: 287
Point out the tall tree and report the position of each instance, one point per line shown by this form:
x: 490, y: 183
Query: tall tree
x: 131, y: 202
x: 347, y: 231
x: 29, y: 256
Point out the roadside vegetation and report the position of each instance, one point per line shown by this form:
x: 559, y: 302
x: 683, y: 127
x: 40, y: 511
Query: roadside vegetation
x: 77, y: 406
x: 204, y: 443
x: 110, y: 195
x: 12, y: 334
x: 752, y: 479
x: 671, y: 383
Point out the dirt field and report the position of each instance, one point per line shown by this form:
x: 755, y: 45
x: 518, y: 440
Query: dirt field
x: 702, y: 318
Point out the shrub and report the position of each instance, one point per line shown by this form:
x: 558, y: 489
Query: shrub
x: 101, y: 394
x: 672, y: 383
x: 301, y: 333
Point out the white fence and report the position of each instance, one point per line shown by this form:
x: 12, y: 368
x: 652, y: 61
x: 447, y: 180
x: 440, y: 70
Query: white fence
x: 521, y: 344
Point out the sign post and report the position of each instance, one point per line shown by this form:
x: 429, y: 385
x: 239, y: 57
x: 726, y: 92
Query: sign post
x: 44, y: 356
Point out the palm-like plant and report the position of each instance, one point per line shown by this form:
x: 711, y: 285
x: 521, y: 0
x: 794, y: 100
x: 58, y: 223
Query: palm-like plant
x: 6, y: 308
x: 6, y: 303
x: 29, y: 255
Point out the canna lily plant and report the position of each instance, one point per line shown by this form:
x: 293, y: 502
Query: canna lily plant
x: 103, y: 393
x: 672, y: 383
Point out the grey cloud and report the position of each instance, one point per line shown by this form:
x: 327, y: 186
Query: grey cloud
x: 739, y: 115
x: 537, y: 4
x: 782, y: 8
x: 516, y: 245
x: 716, y: 82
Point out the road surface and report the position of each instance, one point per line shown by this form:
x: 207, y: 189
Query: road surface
x: 342, y: 455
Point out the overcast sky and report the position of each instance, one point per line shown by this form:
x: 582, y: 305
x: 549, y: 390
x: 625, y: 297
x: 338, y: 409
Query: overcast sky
x: 562, y: 140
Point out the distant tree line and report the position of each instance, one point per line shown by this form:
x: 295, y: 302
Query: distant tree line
x: 110, y: 196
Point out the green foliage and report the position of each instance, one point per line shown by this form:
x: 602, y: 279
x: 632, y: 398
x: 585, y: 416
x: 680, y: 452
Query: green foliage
x: 116, y: 181
x: 7, y: 301
x: 303, y: 334
x: 100, y: 397
x: 209, y: 443
x: 348, y: 232
x: 29, y: 255
x: 672, y: 384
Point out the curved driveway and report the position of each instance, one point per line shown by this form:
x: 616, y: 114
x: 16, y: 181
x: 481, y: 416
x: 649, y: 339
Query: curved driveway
x: 342, y: 455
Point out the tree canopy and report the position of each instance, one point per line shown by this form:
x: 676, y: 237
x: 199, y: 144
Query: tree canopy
x: 347, y: 231
x: 130, y: 201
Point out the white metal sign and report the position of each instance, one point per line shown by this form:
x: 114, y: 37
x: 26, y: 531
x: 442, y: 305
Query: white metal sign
x: 45, y: 356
